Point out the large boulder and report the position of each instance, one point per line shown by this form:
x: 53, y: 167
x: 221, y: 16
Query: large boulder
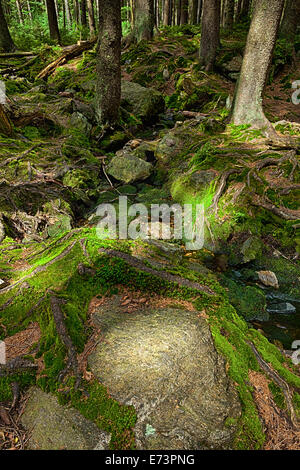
x: 164, y: 363
x: 128, y: 168
x: 56, y: 427
x: 144, y: 103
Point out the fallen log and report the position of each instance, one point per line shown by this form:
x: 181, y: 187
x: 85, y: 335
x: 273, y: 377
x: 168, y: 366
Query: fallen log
x: 16, y: 54
x: 69, y: 54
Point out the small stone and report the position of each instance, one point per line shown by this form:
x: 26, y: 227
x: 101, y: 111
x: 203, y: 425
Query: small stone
x: 282, y: 308
x: 268, y: 278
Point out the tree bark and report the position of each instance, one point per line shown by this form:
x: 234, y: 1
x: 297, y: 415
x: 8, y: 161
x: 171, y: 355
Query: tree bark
x: 108, y: 90
x: 5, y: 124
x: 83, y: 20
x: 291, y: 19
x: 210, y: 37
x: 245, y: 9
x: 52, y: 20
x: 194, y: 11
x: 6, y: 42
x: 68, y: 14
x: 261, y: 40
x: 143, y: 20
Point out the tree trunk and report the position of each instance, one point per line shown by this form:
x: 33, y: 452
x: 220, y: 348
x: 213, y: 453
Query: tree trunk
x: 229, y: 14
x: 52, y: 20
x: 20, y: 12
x: 29, y: 11
x: 167, y: 13
x: 184, y: 15
x: 143, y: 20
x: 210, y: 36
x: 68, y: 15
x: 108, y: 91
x: 5, y: 125
x: 291, y: 19
x: 6, y: 42
x: 261, y: 40
x: 238, y: 11
x: 194, y: 11
x: 83, y: 20
x: 199, y: 12
x: 91, y: 15
x: 178, y: 16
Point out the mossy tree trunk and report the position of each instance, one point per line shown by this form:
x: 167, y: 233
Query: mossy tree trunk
x: 5, y: 125
x: 291, y: 19
x: 108, y: 90
x: 143, y: 19
x: 52, y: 20
x: 6, y: 42
x: 210, y: 37
x: 261, y: 40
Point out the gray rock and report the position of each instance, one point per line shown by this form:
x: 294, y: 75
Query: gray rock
x: 251, y: 249
x: 164, y: 363
x: 282, y: 308
x: 55, y: 427
x: 144, y: 103
x: 128, y: 168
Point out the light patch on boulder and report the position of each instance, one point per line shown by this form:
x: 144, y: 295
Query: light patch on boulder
x: 268, y: 278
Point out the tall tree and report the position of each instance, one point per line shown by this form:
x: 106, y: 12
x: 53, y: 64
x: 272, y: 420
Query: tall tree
x: 245, y: 10
x: 83, y: 20
x: 143, y: 18
x: 194, y: 11
x: 291, y: 19
x: 210, y: 36
x: 108, y: 89
x: 6, y: 42
x: 168, y: 13
x: 52, y: 20
x: 261, y: 40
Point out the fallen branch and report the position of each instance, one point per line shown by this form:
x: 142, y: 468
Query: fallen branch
x: 282, y: 212
x: 16, y: 54
x: 71, y: 53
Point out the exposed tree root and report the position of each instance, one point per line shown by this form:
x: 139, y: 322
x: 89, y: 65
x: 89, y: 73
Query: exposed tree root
x: 16, y: 364
x: 72, y: 363
x: 282, y: 212
x: 280, y: 382
x: 15, y: 158
x: 222, y: 186
x: 162, y: 274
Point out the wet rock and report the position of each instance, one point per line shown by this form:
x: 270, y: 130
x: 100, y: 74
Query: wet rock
x: 144, y: 103
x: 128, y: 168
x: 164, y: 363
x: 282, y: 308
x: 56, y: 427
x: 268, y: 278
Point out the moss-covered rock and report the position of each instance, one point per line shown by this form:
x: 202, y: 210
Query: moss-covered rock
x: 145, y: 103
x: 128, y: 168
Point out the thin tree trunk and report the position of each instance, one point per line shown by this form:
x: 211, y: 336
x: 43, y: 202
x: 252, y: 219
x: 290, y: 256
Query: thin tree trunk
x: 238, y: 11
x: 6, y: 42
x: 178, y: 16
x: 257, y: 59
x: 52, y: 20
x: 184, y: 15
x: 167, y: 13
x: 229, y: 14
x: 143, y: 20
x: 199, y: 13
x: 29, y: 11
x: 68, y: 15
x: 91, y: 15
x: 20, y: 12
x: 108, y: 91
x: 210, y: 36
x: 245, y: 9
x: 83, y: 19
x: 194, y: 11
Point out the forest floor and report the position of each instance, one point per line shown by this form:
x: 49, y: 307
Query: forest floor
x: 72, y: 302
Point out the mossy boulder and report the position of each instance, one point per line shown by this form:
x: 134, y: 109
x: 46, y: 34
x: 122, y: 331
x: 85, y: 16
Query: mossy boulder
x: 144, y: 103
x: 161, y: 361
x: 56, y: 427
x: 128, y: 168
